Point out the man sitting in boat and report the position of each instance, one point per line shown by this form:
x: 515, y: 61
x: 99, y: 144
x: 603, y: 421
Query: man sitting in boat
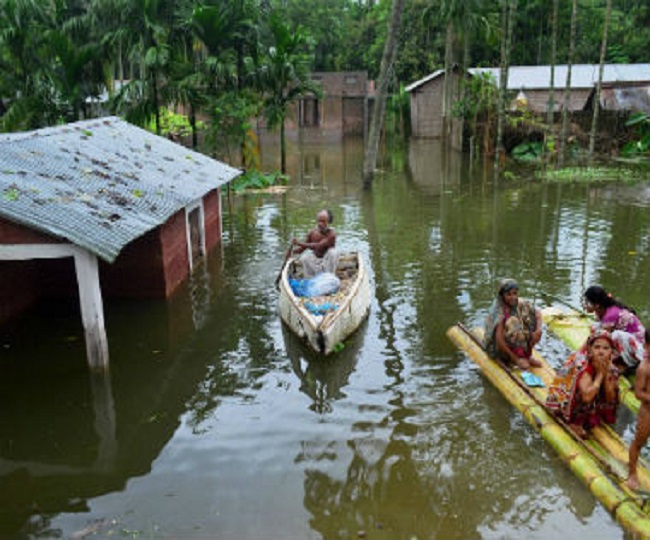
x: 319, y: 253
x: 513, y: 327
x: 585, y: 390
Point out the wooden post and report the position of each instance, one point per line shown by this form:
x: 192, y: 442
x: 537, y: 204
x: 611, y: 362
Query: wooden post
x: 92, y: 310
x: 105, y: 423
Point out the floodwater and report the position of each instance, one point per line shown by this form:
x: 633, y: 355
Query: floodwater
x: 216, y: 422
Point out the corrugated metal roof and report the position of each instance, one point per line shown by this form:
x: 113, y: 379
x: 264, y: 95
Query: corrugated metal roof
x: 582, y: 75
x: 423, y: 80
x: 539, y: 77
x: 101, y: 183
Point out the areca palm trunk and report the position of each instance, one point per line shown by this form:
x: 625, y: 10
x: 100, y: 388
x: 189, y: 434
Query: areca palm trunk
x: 601, y: 67
x: 551, y: 94
x: 387, y: 59
x: 567, y: 86
x: 508, y: 10
x: 283, y: 149
x: 448, y: 81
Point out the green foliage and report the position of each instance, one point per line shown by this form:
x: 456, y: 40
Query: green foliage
x: 254, y: 179
x: 592, y: 174
x: 480, y: 97
x: 56, y: 55
x: 230, y: 115
x: 174, y: 125
x: 398, y: 116
x: 528, y: 151
x: 640, y: 123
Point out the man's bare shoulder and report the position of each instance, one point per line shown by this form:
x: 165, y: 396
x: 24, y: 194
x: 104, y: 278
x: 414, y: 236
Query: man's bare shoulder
x: 644, y: 368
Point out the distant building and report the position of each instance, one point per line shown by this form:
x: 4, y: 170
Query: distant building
x: 105, y: 207
x: 427, y: 97
x: 342, y: 109
x: 625, y: 87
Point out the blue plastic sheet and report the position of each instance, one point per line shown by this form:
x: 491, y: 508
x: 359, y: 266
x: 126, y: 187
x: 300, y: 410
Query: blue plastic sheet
x: 320, y: 285
x: 320, y: 310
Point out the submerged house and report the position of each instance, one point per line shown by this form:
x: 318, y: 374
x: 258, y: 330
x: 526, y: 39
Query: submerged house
x: 342, y: 108
x: 530, y: 87
x: 104, y: 207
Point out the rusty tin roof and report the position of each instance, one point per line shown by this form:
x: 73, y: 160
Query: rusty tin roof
x: 101, y: 183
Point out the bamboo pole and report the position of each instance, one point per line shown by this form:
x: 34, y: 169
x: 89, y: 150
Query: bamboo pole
x: 592, y: 463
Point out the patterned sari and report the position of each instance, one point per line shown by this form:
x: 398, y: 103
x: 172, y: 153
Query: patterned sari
x: 628, y: 333
x: 518, y: 324
x: 563, y: 397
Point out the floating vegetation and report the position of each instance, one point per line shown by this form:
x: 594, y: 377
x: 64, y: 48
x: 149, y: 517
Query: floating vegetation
x: 254, y: 179
x: 593, y: 174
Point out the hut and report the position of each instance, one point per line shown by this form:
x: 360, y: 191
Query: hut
x: 534, y: 82
x: 623, y: 96
x: 106, y: 208
x: 427, y: 106
x: 530, y: 85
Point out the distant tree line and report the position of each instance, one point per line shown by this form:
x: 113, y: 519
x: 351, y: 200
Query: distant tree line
x: 225, y: 61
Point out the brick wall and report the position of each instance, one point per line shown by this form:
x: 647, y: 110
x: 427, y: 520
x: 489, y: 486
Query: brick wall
x: 175, y: 261
x: 137, y: 271
x: 211, y: 209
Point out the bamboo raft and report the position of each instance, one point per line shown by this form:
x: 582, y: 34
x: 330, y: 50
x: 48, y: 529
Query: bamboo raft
x: 600, y: 461
x: 573, y: 328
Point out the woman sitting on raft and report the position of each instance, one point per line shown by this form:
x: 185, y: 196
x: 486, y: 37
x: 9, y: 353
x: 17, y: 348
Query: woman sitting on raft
x: 585, y: 390
x: 513, y: 327
x: 621, y: 321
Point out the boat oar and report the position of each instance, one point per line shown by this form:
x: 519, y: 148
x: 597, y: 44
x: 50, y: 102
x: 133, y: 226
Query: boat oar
x: 284, y: 263
x: 564, y: 303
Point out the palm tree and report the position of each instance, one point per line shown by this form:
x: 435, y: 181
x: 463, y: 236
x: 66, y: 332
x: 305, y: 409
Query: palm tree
x: 551, y: 94
x: 228, y: 33
x: 24, y: 62
x: 284, y: 74
x: 143, y: 28
x: 567, y: 86
x: 462, y: 19
x: 603, y: 51
x: 387, y: 60
x: 508, y: 11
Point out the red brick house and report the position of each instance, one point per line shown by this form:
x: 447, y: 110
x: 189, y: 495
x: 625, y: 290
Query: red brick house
x: 126, y: 211
x: 343, y: 108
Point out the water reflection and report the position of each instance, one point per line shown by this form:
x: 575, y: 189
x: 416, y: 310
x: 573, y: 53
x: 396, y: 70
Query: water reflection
x: 217, y: 422
x: 323, y: 379
x: 68, y: 436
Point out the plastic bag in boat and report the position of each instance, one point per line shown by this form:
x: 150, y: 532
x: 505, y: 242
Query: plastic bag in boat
x: 320, y: 285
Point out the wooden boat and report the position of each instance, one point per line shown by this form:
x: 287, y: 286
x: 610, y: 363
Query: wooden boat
x: 600, y: 461
x: 348, y: 307
x: 573, y: 328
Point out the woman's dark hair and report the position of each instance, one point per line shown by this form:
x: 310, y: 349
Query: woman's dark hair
x: 598, y: 296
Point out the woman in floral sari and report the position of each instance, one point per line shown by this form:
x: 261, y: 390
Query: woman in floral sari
x: 621, y: 321
x: 513, y: 327
x: 585, y: 390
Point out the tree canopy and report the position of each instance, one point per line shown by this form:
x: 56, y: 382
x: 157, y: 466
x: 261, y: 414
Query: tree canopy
x: 57, y: 56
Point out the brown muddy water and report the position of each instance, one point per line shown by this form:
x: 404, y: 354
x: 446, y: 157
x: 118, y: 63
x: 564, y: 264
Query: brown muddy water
x: 217, y: 423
